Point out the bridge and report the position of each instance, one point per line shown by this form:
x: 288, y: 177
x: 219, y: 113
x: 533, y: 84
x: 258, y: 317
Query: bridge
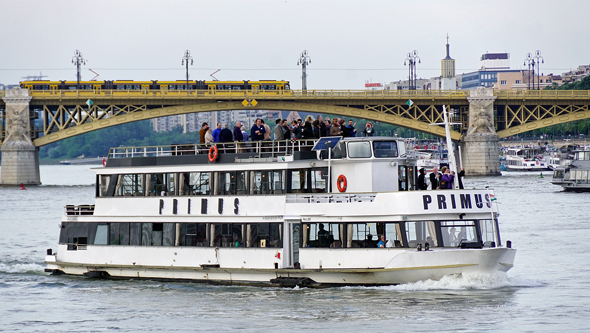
x: 483, y: 115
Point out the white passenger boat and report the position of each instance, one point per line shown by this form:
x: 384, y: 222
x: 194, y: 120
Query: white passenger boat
x: 525, y: 159
x: 574, y: 176
x: 277, y: 213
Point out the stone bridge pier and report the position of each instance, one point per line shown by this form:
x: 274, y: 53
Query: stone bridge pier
x: 20, y: 158
x: 479, y: 147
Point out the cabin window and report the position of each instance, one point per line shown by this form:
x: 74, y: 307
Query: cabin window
x: 558, y: 173
x: 421, y: 232
x: 385, y: 149
x: 77, y: 243
x: 161, y: 184
x: 455, y: 232
x: 158, y: 234
x: 193, y: 234
x: 487, y: 231
x: 323, y: 235
x: 231, y: 182
x: 299, y: 181
x: 134, y: 233
x: 196, y: 183
x: 102, y: 235
x: 119, y: 234
x: 227, y: 235
x: 103, y: 185
x: 267, y: 182
x: 129, y: 185
x: 319, y: 179
x: 264, y: 235
x: 361, y: 149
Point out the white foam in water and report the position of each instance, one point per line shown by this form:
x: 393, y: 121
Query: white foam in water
x: 467, y: 282
x: 21, y: 268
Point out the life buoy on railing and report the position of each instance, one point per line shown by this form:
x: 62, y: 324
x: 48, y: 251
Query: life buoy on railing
x: 341, y: 183
x: 213, y: 153
x: 425, y: 146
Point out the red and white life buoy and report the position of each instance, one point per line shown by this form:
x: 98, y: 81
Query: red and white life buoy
x: 537, y: 162
x: 213, y: 153
x: 341, y: 183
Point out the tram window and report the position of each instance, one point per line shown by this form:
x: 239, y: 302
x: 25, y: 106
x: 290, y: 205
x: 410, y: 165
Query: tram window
x: 196, y: 183
x: 129, y: 185
x: 421, y: 232
x: 360, y: 149
x: 193, y: 234
x: 453, y: 232
x: 299, y: 181
x: 385, y: 149
x: 161, y: 184
x: 319, y: 179
x: 264, y: 235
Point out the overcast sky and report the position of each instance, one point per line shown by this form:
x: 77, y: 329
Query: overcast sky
x: 349, y: 42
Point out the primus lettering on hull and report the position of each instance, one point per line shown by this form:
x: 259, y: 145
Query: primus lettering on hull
x: 267, y: 221
x: 464, y: 201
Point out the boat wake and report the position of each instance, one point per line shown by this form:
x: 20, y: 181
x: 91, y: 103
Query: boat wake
x: 468, y: 281
x: 16, y: 267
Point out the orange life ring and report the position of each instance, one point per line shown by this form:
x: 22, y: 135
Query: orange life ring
x: 213, y: 153
x: 341, y: 183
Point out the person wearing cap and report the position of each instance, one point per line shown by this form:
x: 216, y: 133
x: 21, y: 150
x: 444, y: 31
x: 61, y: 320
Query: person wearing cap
x: 421, y: 180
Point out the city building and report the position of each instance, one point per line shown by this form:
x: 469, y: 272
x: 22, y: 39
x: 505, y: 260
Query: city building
x: 490, y: 64
x: 523, y: 80
x: 577, y: 75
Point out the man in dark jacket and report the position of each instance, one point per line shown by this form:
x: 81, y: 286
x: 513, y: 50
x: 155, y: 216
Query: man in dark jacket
x: 225, y: 135
x: 421, y: 180
x: 257, y: 131
x: 202, y: 132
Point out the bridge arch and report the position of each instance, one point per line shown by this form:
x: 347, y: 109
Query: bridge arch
x: 235, y: 105
x: 555, y: 120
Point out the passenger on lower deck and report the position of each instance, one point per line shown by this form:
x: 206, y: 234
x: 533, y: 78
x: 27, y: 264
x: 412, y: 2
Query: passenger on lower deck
x: 323, y: 237
x: 382, y: 241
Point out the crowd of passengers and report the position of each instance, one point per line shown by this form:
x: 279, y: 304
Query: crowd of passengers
x: 309, y: 129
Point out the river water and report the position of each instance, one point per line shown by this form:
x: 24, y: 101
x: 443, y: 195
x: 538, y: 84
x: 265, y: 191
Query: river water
x: 548, y: 288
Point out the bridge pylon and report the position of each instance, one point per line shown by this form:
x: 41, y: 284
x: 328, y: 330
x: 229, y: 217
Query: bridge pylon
x: 20, y: 157
x: 480, y: 144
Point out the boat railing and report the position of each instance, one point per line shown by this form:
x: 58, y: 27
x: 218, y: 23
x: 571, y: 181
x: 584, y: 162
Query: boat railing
x: 79, y: 210
x: 261, y: 149
x: 330, y: 198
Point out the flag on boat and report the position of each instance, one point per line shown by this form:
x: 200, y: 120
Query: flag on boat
x: 104, y: 162
x: 493, y: 197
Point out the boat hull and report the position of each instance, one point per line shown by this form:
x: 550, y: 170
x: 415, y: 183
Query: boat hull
x: 403, y: 266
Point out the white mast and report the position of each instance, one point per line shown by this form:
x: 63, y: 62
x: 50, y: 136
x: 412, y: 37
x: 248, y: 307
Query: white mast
x: 451, y: 151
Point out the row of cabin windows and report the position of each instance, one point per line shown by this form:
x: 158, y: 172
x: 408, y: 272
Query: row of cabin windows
x: 260, y: 235
x: 214, y: 183
x: 579, y: 176
x: 252, y: 235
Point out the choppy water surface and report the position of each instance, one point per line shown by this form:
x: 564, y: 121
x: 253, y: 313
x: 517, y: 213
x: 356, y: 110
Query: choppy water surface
x: 548, y: 289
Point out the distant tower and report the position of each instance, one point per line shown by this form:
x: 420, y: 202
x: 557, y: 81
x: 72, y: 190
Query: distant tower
x: 447, y: 64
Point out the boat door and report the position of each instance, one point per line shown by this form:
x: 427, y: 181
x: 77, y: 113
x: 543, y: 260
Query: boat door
x: 291, y: 243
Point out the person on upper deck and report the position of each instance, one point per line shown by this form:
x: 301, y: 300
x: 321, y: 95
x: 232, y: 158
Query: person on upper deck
x: 225, y: 135
x: 369, y: 130
x: 257, y: 131
x: 279, y: 130
x: 334, y: 128
x: 216, y: 133
x: 267, y: 131
x: 238, y: 136
x: 446, y: 179
x: 421, y: 180
x: 208, y: 136
x: 203, y: 131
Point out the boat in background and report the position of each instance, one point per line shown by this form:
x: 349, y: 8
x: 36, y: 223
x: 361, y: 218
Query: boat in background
x: 574, y: 177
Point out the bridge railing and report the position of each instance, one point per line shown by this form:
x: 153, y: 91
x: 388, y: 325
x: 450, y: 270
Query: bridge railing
x: 261, y: 149
x: 242, y: 94
x: 544, y: 94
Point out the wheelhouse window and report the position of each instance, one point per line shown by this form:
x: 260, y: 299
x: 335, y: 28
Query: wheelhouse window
x: 129, y: 185
x: 299, y: 181
x: 383, y: 149
x: 361, y: 149
x: 102, y: 185
x: 319, y: 179
x: 456, y: 232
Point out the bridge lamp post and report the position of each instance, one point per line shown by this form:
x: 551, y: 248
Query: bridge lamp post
x: 412, y: 73
x: 527, y: 62
x: 304, y: 60
x: 185, y: 60
x: 78, y: 60
x: 538, y: 57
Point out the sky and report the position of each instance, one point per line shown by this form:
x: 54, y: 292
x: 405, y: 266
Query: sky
x: 349, y: 42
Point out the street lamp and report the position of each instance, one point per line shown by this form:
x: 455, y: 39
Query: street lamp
x: 78, y: 60
x: 537, y: 58
x: 304, y: 60
x: 530, y: 62
x: 412, y: 75
x: 185, y: 60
